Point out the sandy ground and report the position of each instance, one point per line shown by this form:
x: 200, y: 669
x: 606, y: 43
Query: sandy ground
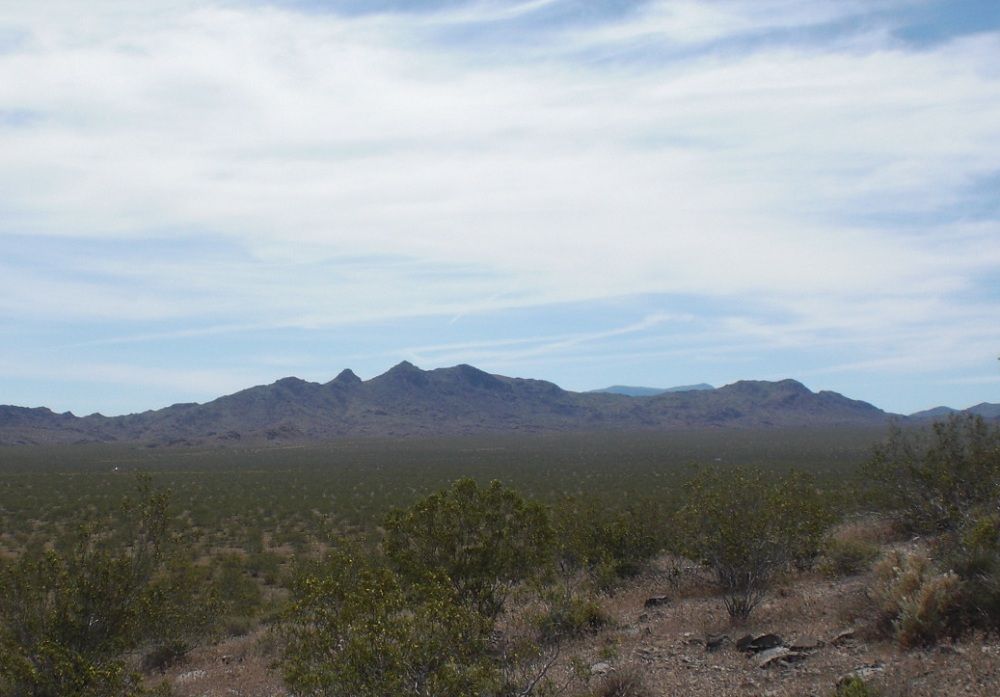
x: 665, y: 647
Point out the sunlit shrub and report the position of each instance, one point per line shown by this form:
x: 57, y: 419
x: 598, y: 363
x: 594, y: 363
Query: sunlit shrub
x: 69, y: 615
x: 482, y: 540
x: 355, y: 629
x: 974, y: 554
x: 608, y: 543
x: 934, y: 477
x: 745, y: 526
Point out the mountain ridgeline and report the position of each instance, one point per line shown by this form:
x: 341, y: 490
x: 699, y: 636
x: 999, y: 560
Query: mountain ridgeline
x: 407, y: 401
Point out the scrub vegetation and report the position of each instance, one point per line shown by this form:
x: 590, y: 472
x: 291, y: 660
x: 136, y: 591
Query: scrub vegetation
x: 474, y: 566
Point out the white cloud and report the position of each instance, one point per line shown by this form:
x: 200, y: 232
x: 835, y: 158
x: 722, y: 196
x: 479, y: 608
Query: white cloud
x: 513, y: 351
x: 301, y: 139
x: 686, y: 22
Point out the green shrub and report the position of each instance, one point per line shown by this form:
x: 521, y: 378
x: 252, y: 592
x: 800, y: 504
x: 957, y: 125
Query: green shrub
x: 164, y: 655
x: 745, y: 526
x: 935, y: 477
x: 568, y: 614
x: 945, y: 480
x: 68, y: 616
x: 266, y: 566
x: 239, y: 595
x: 855, y: 686
x: 483, y: 541
x: 609, y: 544
x: 187, y: 609
x: 354, y: 629
x: 974, y: 554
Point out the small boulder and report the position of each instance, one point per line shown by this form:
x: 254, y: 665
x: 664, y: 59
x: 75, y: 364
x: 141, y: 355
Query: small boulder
x: 805, y: 644
x: 761, y: 642
x: 191, y: 676
x: 778, y: 654
x: 771, y: 656
x: 714, y: 642
x: 601, y: 668
x: 860, y: 672
x: 843, y: 637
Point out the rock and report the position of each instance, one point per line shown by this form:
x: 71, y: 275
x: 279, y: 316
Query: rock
x: 715, y: 642
x: 805, y: 644
x: 190, y: 676
x: 861, y: 672
x: 601, y: 668
x: 756, y: 644
x: 772, y: 655
x: 778, y: 654
x: 842, y: 637
x: 657, y: 601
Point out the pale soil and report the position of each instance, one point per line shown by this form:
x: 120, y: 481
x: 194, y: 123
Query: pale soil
x: 665, y: 647
x: 668, y: 649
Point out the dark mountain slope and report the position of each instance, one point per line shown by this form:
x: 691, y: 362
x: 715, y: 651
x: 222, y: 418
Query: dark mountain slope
x: 407, y: 401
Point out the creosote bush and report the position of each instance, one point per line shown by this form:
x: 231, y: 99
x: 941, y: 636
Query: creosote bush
x: 935, y: 477
x: 482, y: 540
x: 418, y: 616
x: 608, y: 544
x: 945, y: 481
x: 357, y: 629
x: 69, y: 615
x: 745, y: 526
x: 975, y: 557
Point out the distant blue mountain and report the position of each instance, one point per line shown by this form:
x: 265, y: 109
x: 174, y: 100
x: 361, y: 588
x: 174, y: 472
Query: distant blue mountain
x: 629, y: 391
x: 985, y: 410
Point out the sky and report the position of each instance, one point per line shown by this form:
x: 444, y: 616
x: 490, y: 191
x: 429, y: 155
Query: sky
x: 197, y: 197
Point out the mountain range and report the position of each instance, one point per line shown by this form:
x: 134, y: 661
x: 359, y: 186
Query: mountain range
x: 985, y: 410
x: 407, y: 401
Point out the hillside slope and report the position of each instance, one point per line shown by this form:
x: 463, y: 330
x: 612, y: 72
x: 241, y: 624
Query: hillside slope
x: 408, y: 401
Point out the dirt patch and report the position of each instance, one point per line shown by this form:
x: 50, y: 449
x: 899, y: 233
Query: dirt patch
x: 684, y: 644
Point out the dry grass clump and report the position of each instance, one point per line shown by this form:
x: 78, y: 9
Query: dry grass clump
x: 622, y: 683
x: 917, y: 605
x: 851, y: 547
x: 235, y: 667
